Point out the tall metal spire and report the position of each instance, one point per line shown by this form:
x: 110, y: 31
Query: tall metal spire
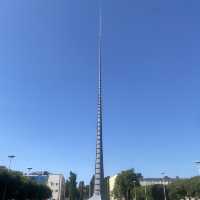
x: 99, y: 169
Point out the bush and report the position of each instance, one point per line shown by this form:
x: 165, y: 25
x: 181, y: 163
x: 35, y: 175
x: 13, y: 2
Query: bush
x: 18, y: 187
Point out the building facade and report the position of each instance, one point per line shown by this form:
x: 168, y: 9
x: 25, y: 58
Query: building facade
x: 55, y: 182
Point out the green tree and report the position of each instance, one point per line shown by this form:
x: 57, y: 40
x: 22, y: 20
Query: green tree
x: 106, y: 188
x: 177, y: 190
x: 194, y: 187
x: 67, y: 188
x: 91, y: 191
x: 124, y: 184
x: 157, y: 192
x: 184, y: 188
x: 72, y: 187
x: 15, y: 186
x: 87, y: 191
x: 81, y: 190
x: 141, y: 194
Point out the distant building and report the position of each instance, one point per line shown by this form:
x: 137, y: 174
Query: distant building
x: 3, y: 167
x: 154, y: 181
x: 55, y: 182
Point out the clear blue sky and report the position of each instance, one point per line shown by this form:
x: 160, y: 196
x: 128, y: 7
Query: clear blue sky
x: 151, y: 73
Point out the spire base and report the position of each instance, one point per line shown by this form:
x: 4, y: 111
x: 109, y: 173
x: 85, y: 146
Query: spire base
x: 95, y: 197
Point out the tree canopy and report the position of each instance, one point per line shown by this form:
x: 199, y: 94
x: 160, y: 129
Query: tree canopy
x: 125, y: 182
x: 74, y: 192
x: 179, y: 189
x: 185, y: 188
x: 16, y: 186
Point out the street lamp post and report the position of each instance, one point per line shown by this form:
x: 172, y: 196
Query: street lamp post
x: 29, y: 170
x: 145, y: 190
x: 134, y: 182
x: 197, y: 163
x: 11, y: 157
x: 164, y: 191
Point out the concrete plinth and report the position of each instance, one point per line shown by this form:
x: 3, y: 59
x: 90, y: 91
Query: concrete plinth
x: 95, y: 197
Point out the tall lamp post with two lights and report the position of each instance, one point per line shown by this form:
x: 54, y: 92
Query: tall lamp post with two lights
x: 197, y: 163
x: 164, y: 190
x: 11, y: 157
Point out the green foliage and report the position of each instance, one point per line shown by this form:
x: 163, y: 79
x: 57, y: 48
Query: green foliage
x: 154, y: 192
x: 81, y: 190
x: 178, y: 189
x: 86, y: 192
x: 73, y: 191
x: 185, y: 187
x: 141, y: 194
x: 67, y: 188
x: 15, y: 186
x: 157, y: 192
x: 124, y: 188
x: 106, y: 188
x: 91, y: 186
x: 124, y: 184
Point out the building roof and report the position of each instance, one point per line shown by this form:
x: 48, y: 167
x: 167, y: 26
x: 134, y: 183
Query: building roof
x: 166, y: 178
